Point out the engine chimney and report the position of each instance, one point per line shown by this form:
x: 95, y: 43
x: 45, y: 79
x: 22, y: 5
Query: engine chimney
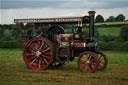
x: 91, y: 24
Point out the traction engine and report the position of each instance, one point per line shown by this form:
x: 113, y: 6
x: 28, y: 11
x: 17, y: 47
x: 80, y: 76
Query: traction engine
x: 55, y: 47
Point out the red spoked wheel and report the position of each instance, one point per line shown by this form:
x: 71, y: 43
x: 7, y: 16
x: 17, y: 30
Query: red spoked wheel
x: 38, y: 53
x: 103, y: 61
x: 88, y: 62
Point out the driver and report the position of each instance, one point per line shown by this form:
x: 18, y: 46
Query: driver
x: 36, y: 29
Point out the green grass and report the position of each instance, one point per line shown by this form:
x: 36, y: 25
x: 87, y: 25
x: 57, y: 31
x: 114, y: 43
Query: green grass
x: 112, y: 23
x: 113, y: 31
x: 13, y: 71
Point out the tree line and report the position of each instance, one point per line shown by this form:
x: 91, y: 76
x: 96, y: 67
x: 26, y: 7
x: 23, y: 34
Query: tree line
x: 14, y: 31
x: 100, y: 18
x: 10, y: 36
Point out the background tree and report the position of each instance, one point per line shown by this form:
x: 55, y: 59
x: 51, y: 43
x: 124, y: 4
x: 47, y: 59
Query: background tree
x: 99, y: 18
x: 28, y: 25
x: 16, y: 31
x: 124, y: 33
x: 1, y: 32
x: 111, y: 19
x: 120, y: 17
x: 7, y: 34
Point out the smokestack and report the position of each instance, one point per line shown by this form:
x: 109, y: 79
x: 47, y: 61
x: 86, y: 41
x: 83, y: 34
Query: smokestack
x: 91, y: 24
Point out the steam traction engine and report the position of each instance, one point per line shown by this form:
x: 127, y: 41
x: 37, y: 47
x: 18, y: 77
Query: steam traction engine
x: 55, y: 47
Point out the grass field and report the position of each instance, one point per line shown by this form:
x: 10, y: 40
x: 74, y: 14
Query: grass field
x: 113, y: 31
x: 112, y: 23
x: 13, y: 71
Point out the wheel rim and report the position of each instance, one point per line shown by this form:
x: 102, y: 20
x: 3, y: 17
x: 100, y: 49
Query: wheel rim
x: 88, y: 62
x: 38, y: 54
x: 102, y: 61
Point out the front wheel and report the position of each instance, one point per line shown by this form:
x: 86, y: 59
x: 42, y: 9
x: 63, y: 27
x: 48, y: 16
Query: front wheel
x: 88, y: 62
x: 103, y: 61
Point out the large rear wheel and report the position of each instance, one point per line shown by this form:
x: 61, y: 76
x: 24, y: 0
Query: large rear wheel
x: 38, y: 53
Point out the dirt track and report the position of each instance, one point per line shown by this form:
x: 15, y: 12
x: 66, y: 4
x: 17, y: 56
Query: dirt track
x: 49, y: 76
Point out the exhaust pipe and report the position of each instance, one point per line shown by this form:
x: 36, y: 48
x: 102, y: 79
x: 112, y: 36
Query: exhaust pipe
x: 91, y: 24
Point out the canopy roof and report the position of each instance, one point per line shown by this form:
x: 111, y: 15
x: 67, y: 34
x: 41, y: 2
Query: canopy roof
x: 54, y: 20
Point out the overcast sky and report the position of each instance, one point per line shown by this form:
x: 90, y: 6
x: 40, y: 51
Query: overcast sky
x: 13, y: 9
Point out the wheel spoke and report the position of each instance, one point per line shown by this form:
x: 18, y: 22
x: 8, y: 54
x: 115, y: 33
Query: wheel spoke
x: 32, y: 58
x: 86, y: 57
x: 92, y: 60
x: 46, y: 56
x: 45, y: 46
x: 89, y: 68
x: 33, y: 61
x: 45, y: 60
x: 100, y: 57
x: 41, y: 45
x: 102, y: 62
x: 33, y: 51
x: 30, y: 54
x: 84, y: 65
x: 82, y: 62
x: 94, y: 63
x: 31, y: 46
x: 39, y: 63
x: 46, y: 50
x: 100, y: 66
x: 36, y: 47
x: 89, y: 58
x: 42, y: 61
x: 36, y: 62
x: 83, y: 58
x: 38, y: 42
